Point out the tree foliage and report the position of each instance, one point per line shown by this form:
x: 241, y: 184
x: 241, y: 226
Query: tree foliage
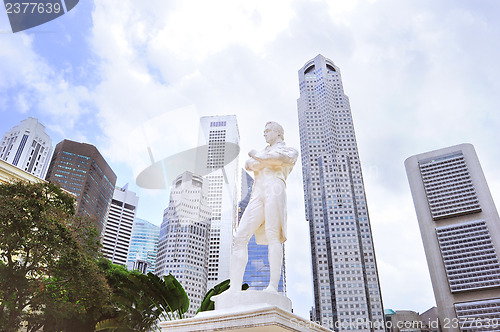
x: 48, y: 272
x: 143, y: 300
x: 52, y: 276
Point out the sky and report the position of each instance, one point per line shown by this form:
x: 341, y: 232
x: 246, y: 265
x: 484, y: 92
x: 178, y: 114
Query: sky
x: 126, y: 76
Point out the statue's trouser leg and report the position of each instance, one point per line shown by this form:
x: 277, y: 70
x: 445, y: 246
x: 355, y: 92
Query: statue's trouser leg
x: 275, y: 261
x: 239, y: 258
x: 275, y: 211
x: 252, y: 218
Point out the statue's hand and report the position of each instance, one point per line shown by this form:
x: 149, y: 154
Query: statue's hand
x: 252, y: 153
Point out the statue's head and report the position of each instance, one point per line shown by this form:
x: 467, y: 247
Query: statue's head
x: 277, y: 128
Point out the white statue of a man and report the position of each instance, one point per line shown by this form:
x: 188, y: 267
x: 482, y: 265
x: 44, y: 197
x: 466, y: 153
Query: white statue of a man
x: 265, y: 214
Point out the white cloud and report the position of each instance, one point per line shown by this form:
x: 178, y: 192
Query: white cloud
x: 161, y: 137
x: 406, y: 68
x: 31, y: 85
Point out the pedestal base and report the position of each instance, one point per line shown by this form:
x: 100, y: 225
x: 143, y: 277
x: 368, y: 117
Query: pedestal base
x: 254, y: 318
x: 244, y: 299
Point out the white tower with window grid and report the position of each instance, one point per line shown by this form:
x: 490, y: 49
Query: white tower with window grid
x: 119, y: 223
x: 215, y: 131
x: 28, y: 147
x: 346, y: 286
x: 184, y: 234
x: 460, y: 231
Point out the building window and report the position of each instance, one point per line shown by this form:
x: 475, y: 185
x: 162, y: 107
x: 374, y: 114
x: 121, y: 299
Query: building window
x: 448, y: 186
x: 469, y: 257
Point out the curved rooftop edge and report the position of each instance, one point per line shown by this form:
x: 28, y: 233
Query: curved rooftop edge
x: 310, y: 65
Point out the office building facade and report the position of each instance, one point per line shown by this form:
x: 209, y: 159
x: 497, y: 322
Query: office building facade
x: 406, y: 321
x: 460, y: 230
x: 80, y: 169
x: 215, y: 133
x: 143, y: 246
x: 183, y: 246
x: 118, y: 230
x: 28, y: 147
x: 257, y: 271
x: 345, y: 277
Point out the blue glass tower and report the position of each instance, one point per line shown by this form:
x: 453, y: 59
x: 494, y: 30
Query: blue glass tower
x: 257, y: 270
x: 143, y: 245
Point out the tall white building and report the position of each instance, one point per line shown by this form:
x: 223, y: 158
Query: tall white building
x: 216, y: 132
x: 346, y: 286
x: 28, y: 147
x: 184, y: 235
x: 118, y: 228
x: 460, y: 231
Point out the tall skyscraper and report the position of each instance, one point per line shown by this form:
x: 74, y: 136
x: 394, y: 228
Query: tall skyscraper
x: 118, y: 228
x: 184, y: 235
x: 143, y: 245
x: 257, y: 271
x: 460, y: 231
x: 215, y: 131
x: 28, y: 147
x: 80, y: 168
x: 345, y: 277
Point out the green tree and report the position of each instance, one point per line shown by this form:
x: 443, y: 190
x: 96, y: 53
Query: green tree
x: 117, y: 279
x: 48, y: 272
x: 143, y: 300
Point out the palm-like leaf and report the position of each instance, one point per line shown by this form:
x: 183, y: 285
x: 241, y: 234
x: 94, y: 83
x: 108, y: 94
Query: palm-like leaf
x: 207, y: 304
x: 111, y: 324
x: 175, y: 296
x: 167, y: 293
x: 144, y: 300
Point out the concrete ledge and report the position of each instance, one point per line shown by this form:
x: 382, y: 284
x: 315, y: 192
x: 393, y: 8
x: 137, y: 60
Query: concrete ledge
x: 251, y: 319
x: 244, y: 299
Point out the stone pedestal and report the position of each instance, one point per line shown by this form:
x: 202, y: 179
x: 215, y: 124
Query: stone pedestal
x: 248, y: 311
x: 244, y: 299
x: 252, y: 319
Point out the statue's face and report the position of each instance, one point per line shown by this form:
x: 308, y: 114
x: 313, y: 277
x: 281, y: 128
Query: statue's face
x: 270, y: 135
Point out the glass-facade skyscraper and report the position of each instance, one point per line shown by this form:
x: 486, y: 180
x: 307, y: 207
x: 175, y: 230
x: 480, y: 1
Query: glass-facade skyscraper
x: 346, y: 285
x: 80, y: 168
x: 257, y: 272
x: 143, y: 245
